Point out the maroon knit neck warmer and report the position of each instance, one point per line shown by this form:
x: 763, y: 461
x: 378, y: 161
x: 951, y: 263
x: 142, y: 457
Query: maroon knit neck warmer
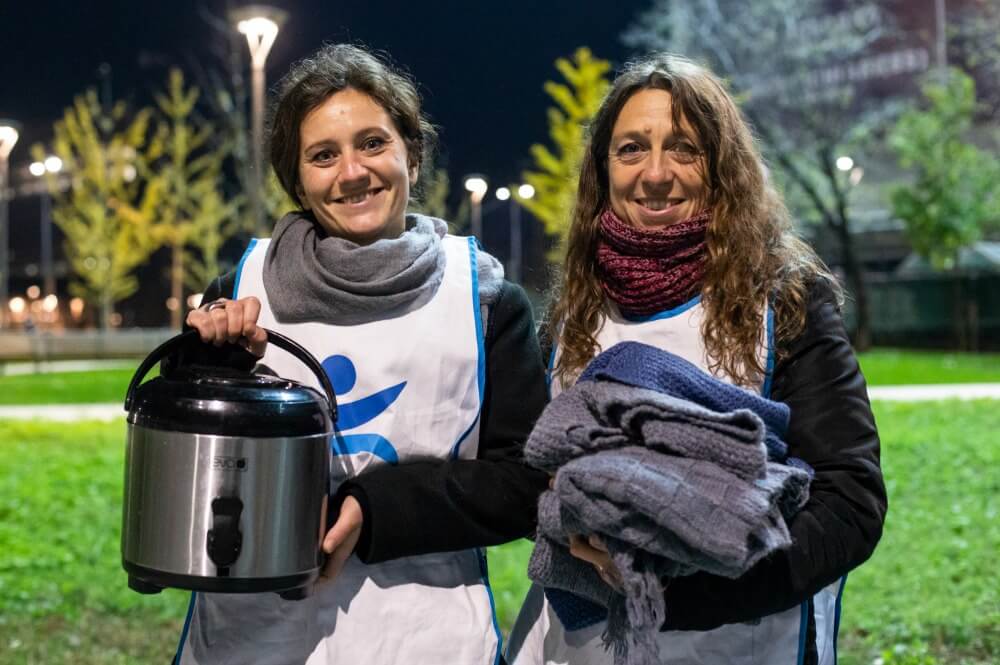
x: 645, y: 272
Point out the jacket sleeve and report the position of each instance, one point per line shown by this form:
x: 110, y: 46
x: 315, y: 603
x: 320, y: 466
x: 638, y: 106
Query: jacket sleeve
x: 437, y: 506
x: 833, y: 429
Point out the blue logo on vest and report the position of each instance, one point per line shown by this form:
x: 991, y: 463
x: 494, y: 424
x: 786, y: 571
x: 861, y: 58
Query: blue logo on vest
x: 343, y: 376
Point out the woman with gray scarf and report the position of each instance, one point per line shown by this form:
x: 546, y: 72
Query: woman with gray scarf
x: 437, y: 370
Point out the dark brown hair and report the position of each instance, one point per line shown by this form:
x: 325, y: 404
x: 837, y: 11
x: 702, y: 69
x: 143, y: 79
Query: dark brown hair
x: 328, y: 71
x: 753, y: 254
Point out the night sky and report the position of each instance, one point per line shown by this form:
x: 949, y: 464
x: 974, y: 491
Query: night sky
x: 480, y: 66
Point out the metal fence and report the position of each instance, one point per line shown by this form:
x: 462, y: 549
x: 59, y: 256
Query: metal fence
x: 80, y: 344
x: 946, y: 311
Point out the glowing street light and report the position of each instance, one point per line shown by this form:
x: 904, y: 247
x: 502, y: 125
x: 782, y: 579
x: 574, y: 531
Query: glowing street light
x: 477, y: 187
x: 18, y: 305
x: 260, y: 32
x: 503, y: 193
x: 844, y: 163
x: 53, y: 165
x: 8, y: 139
x: 76, y: 306
x: 260, y: 24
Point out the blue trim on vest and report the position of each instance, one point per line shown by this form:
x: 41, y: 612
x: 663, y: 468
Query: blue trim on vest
x: 836, y: 621
x: 548, y: 371
x: 184, y: 632
x: 485, y: 574
x: 765, y: 390
x: 680, y: 309
x: 803, y: 629
x: 477, y: 312
x: 239, y: 267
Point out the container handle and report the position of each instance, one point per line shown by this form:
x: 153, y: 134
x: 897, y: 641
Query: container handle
x: 277, y: 339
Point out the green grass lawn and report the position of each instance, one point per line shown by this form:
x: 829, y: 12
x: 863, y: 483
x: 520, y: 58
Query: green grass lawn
x: 105, y: 385
x: 891, y: 367
x: 881, y: 367
x: 930, y: 588
x: 932, y: 583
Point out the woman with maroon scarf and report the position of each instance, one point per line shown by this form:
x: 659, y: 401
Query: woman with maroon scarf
x: 679, y: 240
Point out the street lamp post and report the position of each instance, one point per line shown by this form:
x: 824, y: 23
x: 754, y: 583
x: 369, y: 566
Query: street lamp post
x: 260, y: 24
x: 476, y: 186
x: 515, y: 261
x: 8, y: 138
x: 524, y: 192
x: 941, y: 40
x: 51, y: 165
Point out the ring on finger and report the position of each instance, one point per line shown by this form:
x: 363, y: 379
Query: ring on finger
x: 215, y: 304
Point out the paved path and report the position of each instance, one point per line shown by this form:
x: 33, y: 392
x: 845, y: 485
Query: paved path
x: 70, y: 412
x: 935, y: 392
x: 64, y: 412
x: 46, y: 366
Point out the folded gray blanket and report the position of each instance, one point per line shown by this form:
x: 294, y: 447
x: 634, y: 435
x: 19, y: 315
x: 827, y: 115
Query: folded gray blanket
x: 604, y: 415
x: 672, y: 488
x: 660, y: 516
x: 692, y: 514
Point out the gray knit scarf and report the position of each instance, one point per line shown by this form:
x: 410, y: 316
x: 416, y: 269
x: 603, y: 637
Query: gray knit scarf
x: 312, y: 276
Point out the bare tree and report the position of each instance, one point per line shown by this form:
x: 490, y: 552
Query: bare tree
x: 974, y: 48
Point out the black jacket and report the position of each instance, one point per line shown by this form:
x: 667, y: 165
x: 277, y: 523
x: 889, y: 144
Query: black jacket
x: 833, y: 429
x: 436, y: 506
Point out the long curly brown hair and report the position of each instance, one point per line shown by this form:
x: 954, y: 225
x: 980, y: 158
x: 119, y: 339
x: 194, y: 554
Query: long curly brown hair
x: 753, y: 254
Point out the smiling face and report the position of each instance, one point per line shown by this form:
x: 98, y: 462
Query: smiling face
x: 354, y: 172
x: 656, y: 171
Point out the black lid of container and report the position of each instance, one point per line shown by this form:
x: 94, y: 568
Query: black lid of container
x: 229, y: 402
x: 204, y: 389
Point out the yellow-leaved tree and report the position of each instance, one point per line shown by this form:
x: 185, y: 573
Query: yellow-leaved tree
x: 193, y: 218
x: 277, y: 202
x: 106, y: 211
x: 213, y: 222
x: 557, y: 169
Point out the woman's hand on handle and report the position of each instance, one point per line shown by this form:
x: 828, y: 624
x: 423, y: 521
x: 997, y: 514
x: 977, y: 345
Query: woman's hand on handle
x: 233, y: 321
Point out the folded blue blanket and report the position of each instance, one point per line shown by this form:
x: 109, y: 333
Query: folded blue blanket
x: 645, y: 366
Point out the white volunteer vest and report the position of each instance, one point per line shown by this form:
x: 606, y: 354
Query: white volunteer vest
x: 408, y: 388
x: 539, y: 638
